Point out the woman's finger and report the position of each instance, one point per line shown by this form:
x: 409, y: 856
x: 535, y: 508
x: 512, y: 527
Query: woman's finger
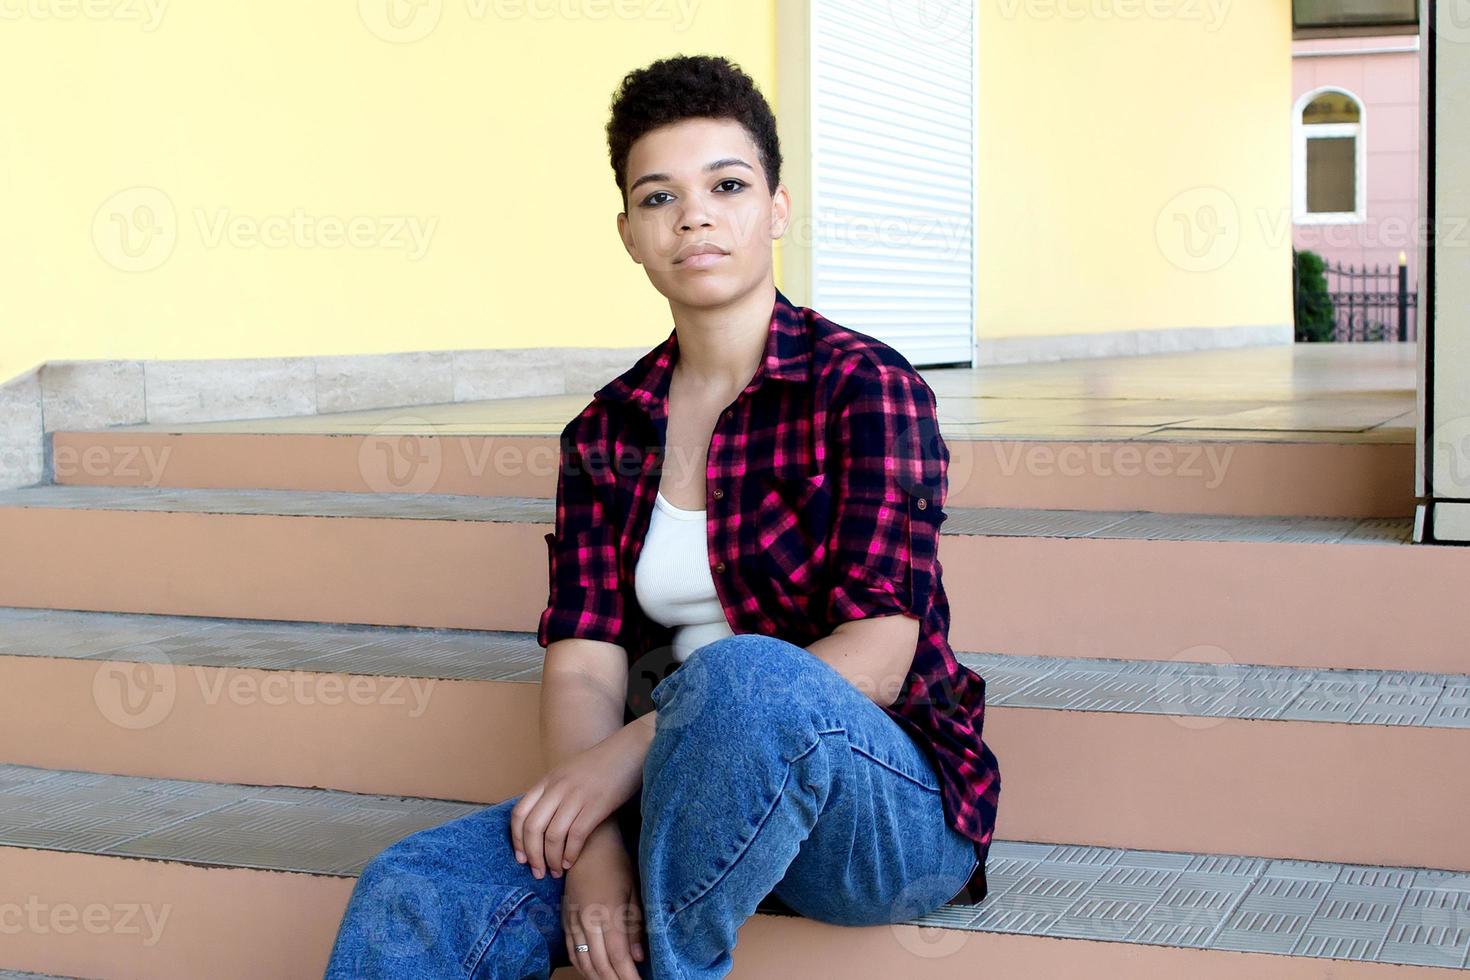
x: 597, y: 941
x: 518, y: 818
x: 556, y: 836
x: 616, y: 941
x: 577, y: 835
x: 533, y: 834
x: 637, y: 936
x: 575, y: 938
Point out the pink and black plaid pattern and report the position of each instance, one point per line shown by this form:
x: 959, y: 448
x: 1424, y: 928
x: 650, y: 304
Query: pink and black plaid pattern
x: 825, y: 487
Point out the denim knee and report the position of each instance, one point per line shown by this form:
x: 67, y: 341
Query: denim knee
x: 745, y: 674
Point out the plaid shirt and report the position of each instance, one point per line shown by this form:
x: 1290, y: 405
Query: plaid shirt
x: 832, y: 457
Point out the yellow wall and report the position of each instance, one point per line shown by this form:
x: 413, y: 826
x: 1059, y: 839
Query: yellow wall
x: 491, y: 126
x: 488, y: 133
x: 1092, y: 129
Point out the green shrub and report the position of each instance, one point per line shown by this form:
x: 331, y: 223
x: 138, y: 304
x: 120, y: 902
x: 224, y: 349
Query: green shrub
x: 1313, y: 303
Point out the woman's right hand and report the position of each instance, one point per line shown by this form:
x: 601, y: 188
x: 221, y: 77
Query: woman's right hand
x: 601, y: 908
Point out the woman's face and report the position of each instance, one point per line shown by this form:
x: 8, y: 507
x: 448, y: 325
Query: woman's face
x: 676, y: 201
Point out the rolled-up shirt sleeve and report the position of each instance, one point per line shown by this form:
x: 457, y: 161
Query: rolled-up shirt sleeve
x: 891, y: 467
x: 584, y: 597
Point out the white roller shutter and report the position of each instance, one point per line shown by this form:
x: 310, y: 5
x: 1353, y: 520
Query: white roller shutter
x: 892, y: 179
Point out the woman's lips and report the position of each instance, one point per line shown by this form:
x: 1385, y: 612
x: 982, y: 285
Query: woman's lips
x: 702, y: 260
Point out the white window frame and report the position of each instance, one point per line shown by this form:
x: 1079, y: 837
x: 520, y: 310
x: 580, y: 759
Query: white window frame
x: 1301, y: 132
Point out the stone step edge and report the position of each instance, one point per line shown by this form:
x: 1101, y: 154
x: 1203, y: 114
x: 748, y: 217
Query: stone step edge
x: 960, y: 521
x: 1179, y: 688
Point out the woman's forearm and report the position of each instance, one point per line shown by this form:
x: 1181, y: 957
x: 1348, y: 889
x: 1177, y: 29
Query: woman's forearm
x: 579, y: 707
x: 576, y: 716
x: 582, y: 706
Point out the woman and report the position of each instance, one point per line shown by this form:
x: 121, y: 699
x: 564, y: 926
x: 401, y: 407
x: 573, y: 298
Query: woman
x: 748, y: 695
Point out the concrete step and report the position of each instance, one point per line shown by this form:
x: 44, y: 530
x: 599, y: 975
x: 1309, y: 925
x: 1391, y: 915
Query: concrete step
x: 229, y: 880
x: 1177, y: 755
x: 1337, y: 474
x: 1292, y: 591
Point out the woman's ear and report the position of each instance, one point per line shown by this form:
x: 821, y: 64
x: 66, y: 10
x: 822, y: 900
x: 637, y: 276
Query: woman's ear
x: 626, y: 234
x: 780, y: 212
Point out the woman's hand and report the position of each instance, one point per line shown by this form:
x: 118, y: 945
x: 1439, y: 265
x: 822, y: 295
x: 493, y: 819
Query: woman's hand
x: 601, y: 909
x: 552, y: 821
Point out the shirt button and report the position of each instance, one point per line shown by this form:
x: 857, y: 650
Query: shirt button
x: 719, y: 566
x: 718, y: 494
x: 729, y: 413
x: 923, y: 503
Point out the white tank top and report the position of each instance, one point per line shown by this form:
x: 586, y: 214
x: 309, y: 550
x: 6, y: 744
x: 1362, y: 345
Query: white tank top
x: 672, y: 581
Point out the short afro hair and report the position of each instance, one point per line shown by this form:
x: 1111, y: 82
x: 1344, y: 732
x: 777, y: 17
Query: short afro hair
x: 689, y: 87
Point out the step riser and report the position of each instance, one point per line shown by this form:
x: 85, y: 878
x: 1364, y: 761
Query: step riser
x: 1201, y: 784
x: 236, y: 924
x: 317, y: 569
x: 1247, y: 478
x: 1290, y: 605
x: 1298, y: 605
x: 165, y: 920
x: 468, y: 740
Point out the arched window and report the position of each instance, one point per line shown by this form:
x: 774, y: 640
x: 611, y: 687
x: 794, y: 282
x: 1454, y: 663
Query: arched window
x: 1329, y: 158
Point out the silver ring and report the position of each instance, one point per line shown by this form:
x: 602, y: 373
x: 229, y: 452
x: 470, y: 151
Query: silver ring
x: 582, y: 948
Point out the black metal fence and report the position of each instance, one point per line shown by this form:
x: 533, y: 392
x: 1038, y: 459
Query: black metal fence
x: 1372, y: 304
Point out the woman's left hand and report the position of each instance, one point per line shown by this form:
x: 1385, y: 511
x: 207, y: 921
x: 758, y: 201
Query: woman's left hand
x: 553, y: 819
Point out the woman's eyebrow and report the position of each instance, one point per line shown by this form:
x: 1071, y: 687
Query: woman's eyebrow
x: 708, y: 168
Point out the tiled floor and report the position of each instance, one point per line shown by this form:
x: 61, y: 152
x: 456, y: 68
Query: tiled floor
x: 959, y: 521
x: 1203, y: 901
x: 1299, y: 392
x: 1360, y: 697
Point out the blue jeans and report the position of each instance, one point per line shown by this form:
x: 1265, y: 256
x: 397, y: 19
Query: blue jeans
x: 769, y: 774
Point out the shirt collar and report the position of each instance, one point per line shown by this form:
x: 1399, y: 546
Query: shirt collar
x: 787, y: 358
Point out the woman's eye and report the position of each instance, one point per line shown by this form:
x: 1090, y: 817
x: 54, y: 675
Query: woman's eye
x: 739, y: 184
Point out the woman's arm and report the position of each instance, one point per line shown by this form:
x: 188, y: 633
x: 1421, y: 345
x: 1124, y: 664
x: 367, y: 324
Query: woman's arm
x: 583, y: 686
x: 590, y: 771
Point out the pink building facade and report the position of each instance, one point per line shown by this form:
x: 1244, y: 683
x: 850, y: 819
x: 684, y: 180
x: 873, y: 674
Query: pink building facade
x: 1355, y: 153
